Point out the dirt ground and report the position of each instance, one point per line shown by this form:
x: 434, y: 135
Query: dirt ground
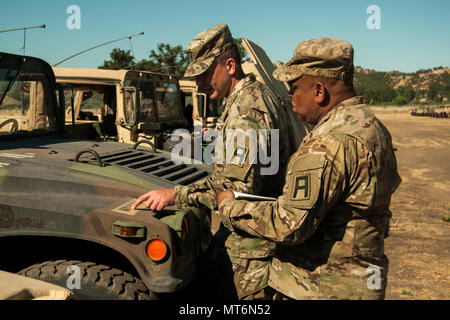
x: 419, y: 242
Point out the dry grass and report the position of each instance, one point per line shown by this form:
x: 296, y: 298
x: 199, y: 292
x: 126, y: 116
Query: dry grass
x: 419, y: 244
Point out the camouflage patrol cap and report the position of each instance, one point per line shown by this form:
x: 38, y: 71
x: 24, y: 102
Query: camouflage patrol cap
x: 205, y: 47
x: 320, y: 57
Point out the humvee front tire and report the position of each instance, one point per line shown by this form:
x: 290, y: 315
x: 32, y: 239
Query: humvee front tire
x: 97, y: 282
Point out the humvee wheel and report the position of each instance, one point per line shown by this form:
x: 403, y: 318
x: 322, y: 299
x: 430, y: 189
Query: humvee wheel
x: 97, y: 282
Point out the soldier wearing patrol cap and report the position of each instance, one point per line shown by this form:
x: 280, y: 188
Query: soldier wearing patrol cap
x: 333, y: 216
x: 240, y: 262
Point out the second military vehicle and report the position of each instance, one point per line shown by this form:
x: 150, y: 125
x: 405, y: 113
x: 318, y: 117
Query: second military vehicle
x: 129, y: 105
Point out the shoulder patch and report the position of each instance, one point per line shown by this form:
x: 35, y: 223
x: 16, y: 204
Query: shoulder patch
x: 239, y: 155
x: 238, y: 165
x: 304, y: 180
x: 302, y: 187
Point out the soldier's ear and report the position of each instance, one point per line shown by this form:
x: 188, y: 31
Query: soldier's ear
x: 319, y: 92
x: 230, y: 65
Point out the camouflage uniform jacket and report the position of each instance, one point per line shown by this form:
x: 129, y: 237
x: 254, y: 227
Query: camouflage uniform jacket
x: 331, y: 221
x: 250, y: 105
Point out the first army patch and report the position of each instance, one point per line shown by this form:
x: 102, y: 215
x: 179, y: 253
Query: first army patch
x: 302, y: 187
x: 239, y: 155
x: 304, y: 180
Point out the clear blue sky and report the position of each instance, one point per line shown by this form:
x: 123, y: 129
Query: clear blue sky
x: 414, y: 34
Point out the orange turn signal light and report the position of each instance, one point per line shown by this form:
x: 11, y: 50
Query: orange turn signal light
x: 127, y: 231
x: 156, y: 250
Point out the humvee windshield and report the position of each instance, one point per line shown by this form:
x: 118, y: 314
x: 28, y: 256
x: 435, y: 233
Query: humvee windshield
x: 167, y: 101
x: 158, y: 100
x: 26, y: 105
x: 147, y: 98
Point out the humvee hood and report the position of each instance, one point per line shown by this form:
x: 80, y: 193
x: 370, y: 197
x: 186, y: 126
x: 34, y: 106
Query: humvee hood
x: 49, y: 177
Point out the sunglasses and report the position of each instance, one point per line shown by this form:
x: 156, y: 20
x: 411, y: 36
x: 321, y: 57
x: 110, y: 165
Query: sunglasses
x: 292, y: 90
x: 292, y: 87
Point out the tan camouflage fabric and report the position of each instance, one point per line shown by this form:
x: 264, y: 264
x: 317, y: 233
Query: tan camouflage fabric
x: 250, y: 105
x: 205, y: 47
x: 319, y: 57
x: 332, y: 219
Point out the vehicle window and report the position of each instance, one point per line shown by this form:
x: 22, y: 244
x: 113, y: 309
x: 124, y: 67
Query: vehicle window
x: 68, y: 96
x: 167, y: 101
x: 129, y: 99
x: 5, y: 81
x: 6, y: 76
x: 188, y: 99
x: 147, y: 97
x: 91, y: 105
x: 27, y: 105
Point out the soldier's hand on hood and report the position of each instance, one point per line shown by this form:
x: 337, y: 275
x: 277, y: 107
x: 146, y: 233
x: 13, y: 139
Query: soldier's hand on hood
x: 156, y: 199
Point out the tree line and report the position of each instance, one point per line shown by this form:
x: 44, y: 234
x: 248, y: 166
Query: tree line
x: 376, y: 87
x: 379, y: 87
x: 165, y: 59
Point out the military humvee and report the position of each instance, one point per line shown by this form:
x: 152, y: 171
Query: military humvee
x: 129, y: 106
x: 121, y: 105
x: 65, y: 201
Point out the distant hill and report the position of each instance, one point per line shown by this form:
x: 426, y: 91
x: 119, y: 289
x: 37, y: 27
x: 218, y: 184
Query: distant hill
x: 398, y: 88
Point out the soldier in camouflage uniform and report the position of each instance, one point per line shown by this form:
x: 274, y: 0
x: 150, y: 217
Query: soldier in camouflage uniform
x: 332, y: 219
x: 236, y: 258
